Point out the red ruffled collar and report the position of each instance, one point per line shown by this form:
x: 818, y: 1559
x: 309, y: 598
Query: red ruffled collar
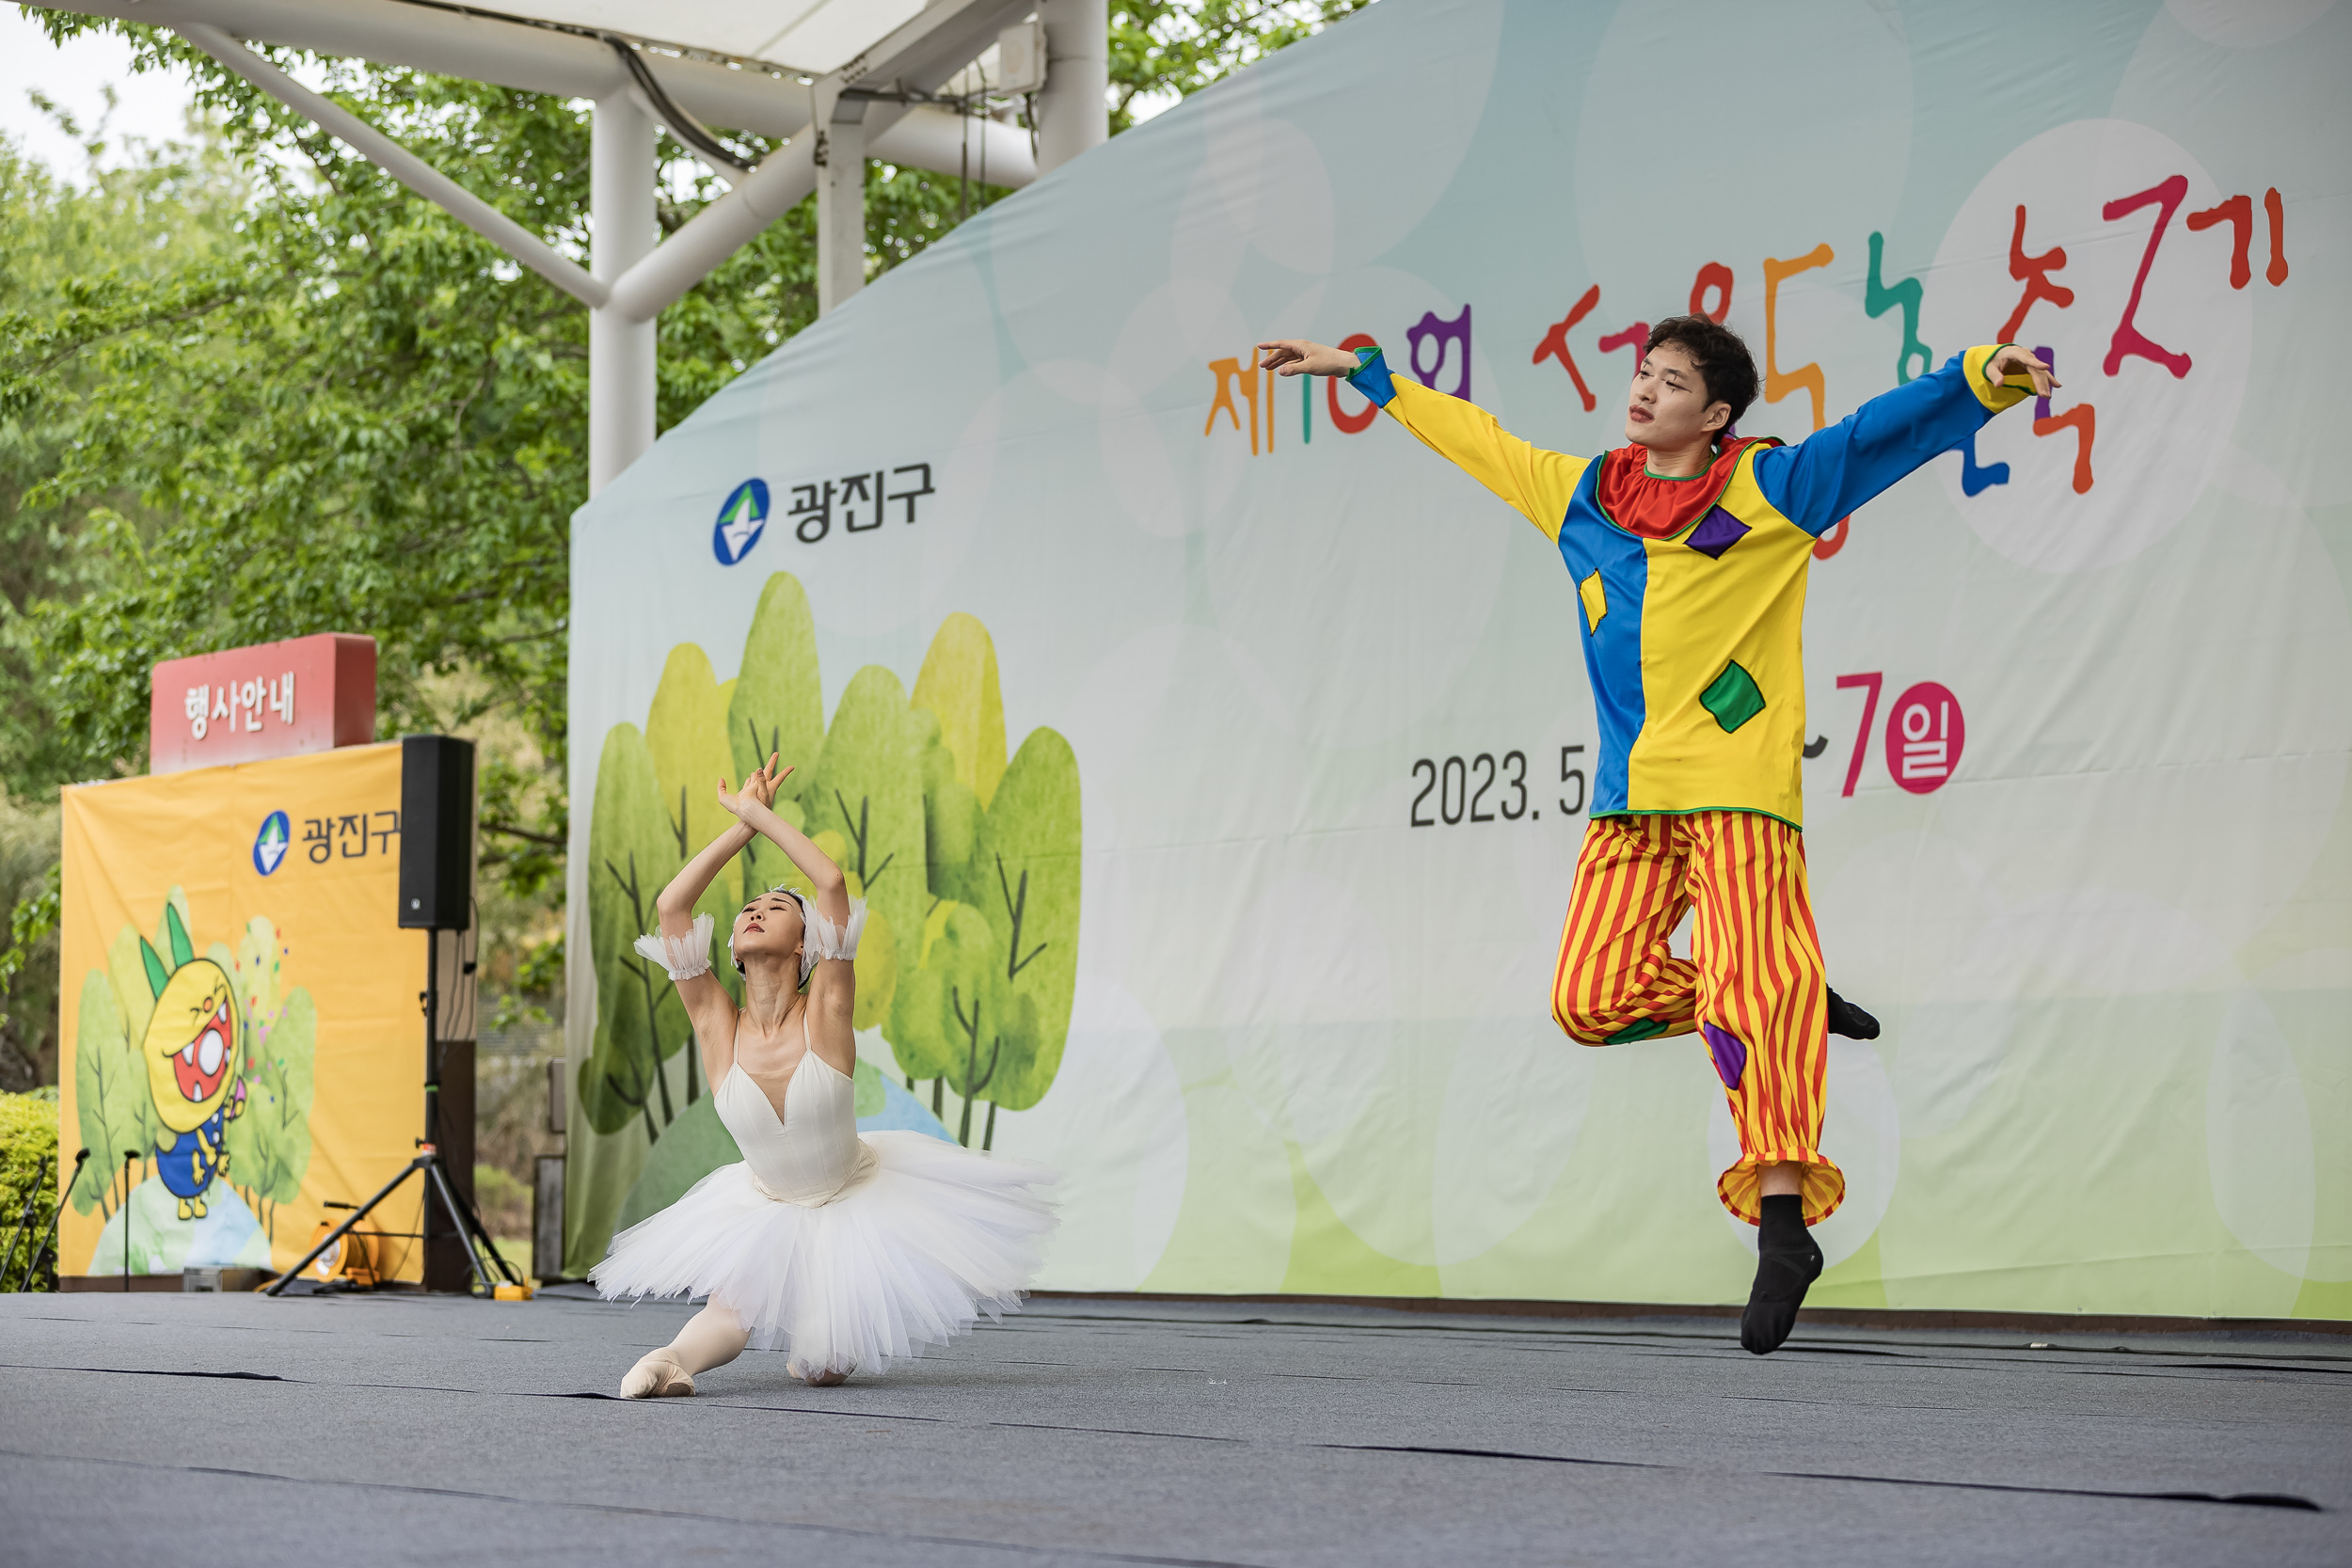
x: 1641, y: 503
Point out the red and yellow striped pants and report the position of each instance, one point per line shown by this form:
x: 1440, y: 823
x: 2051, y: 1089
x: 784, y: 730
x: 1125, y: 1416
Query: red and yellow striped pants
x: 1754, y: 987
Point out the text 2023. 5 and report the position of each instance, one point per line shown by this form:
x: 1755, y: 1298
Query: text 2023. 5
x: 1455, y: 790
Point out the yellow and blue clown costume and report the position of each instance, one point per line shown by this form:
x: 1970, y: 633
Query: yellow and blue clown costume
x: 1690, y: 603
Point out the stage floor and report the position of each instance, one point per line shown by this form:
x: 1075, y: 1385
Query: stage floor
x: 161, y: 1428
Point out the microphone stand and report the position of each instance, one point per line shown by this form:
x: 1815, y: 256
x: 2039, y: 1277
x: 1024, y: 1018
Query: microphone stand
x: 49, y: 1237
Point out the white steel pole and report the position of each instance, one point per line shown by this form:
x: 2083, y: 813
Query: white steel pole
x: 401, y: 164
x: 841, y: 207
x: 717, y: 232
x: 1073, y: 110
x: 620, y: 349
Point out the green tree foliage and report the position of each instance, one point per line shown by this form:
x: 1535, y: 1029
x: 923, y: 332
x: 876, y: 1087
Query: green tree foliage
x: 961, y: 747
x: 686, y: 734
x: 111, y: 1098
x: 633, y: 849
x: 29, y: 876
x: 269, y: 1145
x: 951, y: 813
x: 149, y: 218
x: 868, y: 789
x: 1023, y: 877
x: 959, y: 686
x: 28, y: 1170
x: 969, y: 866
x: 1163, y: 49
x: 777, y: 708
x: 955, y: 1020
x: 347, y: 412
x: 146, y: 217
x: 1006, y: 851
x: 250, y: 387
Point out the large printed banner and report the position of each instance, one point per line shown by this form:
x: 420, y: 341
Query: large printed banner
x: 1216, y: 757
x: 239, y: 1013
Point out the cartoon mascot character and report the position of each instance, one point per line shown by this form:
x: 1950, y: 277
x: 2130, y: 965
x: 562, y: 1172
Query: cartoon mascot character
x: 194, y: 1045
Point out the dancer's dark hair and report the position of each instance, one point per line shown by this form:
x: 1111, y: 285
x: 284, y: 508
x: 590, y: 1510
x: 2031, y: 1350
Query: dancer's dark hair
x: 800, y: 903
x: 1721, y: 355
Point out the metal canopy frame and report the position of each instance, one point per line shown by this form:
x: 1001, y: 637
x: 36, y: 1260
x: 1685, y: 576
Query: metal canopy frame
x: 880, y: 103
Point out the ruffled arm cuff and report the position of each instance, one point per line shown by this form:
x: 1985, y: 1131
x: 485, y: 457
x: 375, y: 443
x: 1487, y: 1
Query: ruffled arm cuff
x: 684, y: 957
x: 824, y: 940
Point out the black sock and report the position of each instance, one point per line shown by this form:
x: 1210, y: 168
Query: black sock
x: 1786, y: 1261
x: 1850, y: 1020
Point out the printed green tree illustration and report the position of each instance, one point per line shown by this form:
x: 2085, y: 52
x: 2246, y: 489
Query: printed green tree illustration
x: 777, y: 708
x: 110, y: 1094
x: 866, y: 792
x: 686, y: 736
x: 115, y: 1102
x: 633, y: 854
x: 958, y: 685
x: 269, y: 1144
x: 951, y: 813
x: 269, y: 1147
x: 1004, y: 846
x: 135, y: 1004
x: 956, y: 695
x: 961, y: 745
x: 1023, y: 877
x: 969, y: 866
x: 957, y: 1020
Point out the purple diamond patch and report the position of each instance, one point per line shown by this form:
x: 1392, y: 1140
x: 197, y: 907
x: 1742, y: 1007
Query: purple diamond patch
x: 1731, y: 1056
x: 1717, y: 533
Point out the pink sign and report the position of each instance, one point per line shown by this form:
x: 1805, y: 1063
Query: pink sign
x: 271, y: 700
x: 1924, y: 735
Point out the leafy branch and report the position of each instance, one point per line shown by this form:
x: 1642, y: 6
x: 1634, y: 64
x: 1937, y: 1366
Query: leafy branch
x: 860, y: 826
x: 30, y: 920
x: 550, y: 840
x: 635, y: 965
x: 1016, y: 906
x: 973, y: 1085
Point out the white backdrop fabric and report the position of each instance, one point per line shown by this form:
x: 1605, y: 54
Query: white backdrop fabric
x: 1309, y: 1049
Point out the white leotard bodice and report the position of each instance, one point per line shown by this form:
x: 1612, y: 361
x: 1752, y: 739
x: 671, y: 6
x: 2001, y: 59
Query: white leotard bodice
x: 812, y: 1154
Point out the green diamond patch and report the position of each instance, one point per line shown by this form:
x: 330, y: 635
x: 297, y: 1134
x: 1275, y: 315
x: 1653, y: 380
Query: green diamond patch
x: 1732, y: 697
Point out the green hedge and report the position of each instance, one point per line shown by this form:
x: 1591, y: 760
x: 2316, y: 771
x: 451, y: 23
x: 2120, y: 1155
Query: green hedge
x: 28, y: 1131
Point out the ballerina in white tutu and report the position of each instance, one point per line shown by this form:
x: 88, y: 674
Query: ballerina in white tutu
x: 844, y: 1250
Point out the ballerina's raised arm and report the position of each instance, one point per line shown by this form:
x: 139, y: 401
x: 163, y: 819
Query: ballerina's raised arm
x: 767, y: 933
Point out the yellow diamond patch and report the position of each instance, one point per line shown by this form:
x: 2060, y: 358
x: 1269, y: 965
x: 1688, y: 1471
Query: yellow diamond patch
x: 1596, y: 602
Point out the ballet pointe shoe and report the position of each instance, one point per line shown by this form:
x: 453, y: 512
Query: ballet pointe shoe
x: 657, y: 1376
x: 822, y: 1377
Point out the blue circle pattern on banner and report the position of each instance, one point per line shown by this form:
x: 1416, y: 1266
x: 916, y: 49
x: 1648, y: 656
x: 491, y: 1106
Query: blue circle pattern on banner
x: 270, y: 844
x: 742, y: 521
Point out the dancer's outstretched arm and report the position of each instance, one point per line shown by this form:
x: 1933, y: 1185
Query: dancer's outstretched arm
x: 833, y: 985
x: 1834, y: 470
x: 708, y: 1002
x: 1537, y: 482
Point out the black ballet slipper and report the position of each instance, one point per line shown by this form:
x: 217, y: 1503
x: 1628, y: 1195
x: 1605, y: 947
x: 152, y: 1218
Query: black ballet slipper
x: 1787, y: 1263
x: 1850, y: 1020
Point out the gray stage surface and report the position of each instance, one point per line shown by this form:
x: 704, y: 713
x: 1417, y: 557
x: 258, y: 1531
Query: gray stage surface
x: 168, y: 1428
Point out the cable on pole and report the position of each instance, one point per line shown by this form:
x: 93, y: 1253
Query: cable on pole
x: 684, y: 127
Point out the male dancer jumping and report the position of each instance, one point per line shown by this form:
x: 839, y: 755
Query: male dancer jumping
x: 1689, y: 550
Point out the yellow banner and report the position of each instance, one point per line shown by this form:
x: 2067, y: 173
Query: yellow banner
x: 240, y: 1038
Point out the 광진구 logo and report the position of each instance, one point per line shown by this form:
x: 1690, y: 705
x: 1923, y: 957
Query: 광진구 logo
x: 742, y: 521
x: 270, y: 844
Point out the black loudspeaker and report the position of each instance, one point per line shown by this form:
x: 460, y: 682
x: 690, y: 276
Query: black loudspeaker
x: 436, y: 832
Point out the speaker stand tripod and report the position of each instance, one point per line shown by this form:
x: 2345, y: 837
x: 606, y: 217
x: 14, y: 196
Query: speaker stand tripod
x: 428, y: 1163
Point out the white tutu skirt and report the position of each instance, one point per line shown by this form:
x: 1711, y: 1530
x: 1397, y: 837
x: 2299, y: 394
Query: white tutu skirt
x: 930, y: 1236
